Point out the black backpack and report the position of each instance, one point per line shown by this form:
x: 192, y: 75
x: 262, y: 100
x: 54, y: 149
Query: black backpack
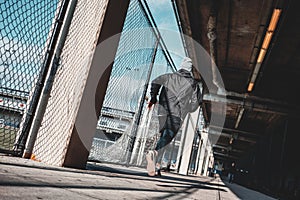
x: 196, y: 98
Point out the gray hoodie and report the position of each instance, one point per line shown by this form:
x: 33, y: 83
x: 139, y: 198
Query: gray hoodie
x: 177, y: 91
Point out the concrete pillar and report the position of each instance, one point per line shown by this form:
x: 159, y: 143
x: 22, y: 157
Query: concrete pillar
x: 208, y: 160
x: 201, y: 161
x: 197, y: 163
x: 70, y: 120
x: 189, y: 129
x: 77, y: 153
x: 180, y: 148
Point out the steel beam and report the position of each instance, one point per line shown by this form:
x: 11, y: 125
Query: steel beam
x: 228, y: 148
x: 253, y: 103
x: 238, y: 137
x: 225, y: 155
x: 233, y: 130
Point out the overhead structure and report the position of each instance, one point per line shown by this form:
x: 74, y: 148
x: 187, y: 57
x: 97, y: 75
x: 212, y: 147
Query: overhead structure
x: 254, y: 45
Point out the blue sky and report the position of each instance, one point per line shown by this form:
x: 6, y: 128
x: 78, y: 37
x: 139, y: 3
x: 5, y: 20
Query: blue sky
x: 163, y: 14
x: 130, y: 83
x: 24, y: 28
x: 28, y: 38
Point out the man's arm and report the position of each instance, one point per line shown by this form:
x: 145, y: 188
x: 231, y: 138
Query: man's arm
x: 155, y: 87
x: 199, y: 95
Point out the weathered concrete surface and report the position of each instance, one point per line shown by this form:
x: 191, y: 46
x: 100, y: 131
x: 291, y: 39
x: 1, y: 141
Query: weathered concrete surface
x: 27, y: 179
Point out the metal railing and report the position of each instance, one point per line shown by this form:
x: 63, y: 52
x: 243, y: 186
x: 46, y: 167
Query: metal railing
x: 129, y: 87
x: 26, y: 34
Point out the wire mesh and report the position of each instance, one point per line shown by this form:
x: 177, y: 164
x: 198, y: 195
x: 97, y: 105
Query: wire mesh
x: 55, y: 131
x: 26, y: 28
x: 25, y: 31
x: 123, y: 97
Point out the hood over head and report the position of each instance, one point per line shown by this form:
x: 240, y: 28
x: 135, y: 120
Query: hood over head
x: 186, y: 64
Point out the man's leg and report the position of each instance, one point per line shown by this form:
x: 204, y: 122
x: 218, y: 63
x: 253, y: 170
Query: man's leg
x: 154, y: 157
x: 151, y: 162
x: 169, y: 126
x: 230, y: 177
x: 166, y: 137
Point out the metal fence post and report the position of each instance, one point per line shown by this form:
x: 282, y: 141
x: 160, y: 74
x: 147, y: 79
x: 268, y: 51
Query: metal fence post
x: 47, y: 89
x: 137, y: 120
x: 29, y: 115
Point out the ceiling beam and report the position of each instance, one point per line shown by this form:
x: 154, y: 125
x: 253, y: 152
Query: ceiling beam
x: 230, y: 153
x: 234, y: 136
x: 228, y: 148
x: 230, y: 94
x: 234, y: 69
x: 234, y: 131
x: 251, y: 104
x: 225, y: 155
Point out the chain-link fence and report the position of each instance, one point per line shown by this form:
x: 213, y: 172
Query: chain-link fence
x: 123, y: 132
x: 55, y: 131
x: 123, y: 123
x: 26, y: 29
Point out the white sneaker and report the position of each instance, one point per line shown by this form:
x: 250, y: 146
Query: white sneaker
x: 151, y: 160
x: 157, y: 170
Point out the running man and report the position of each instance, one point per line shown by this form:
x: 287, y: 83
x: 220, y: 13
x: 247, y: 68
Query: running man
x: 179, y: 95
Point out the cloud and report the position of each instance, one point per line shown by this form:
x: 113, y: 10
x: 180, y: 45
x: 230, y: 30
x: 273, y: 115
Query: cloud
x: 158, y: 4
x: 167, y: 23
x: 19, y: 63
x: 19, y: 52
